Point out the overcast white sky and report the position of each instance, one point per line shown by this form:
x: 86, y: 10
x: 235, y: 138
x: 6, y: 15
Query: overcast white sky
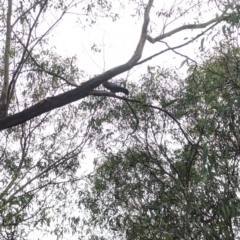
x: 118, y: 39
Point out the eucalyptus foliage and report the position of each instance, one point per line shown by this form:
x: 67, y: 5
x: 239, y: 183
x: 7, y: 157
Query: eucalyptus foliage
x: 167, y: 156
x: 177, y: 177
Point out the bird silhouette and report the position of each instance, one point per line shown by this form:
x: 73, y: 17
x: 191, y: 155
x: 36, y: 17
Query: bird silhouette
x: 113, y: 87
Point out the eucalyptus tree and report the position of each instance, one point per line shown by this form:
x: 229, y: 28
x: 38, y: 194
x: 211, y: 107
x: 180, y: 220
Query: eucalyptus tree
x: 44, y: 131
x: 177, y: 177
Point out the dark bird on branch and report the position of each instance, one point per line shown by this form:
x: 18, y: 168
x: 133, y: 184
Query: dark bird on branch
x: 113, y: 87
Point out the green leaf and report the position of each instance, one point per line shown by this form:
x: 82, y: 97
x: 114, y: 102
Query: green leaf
x: 202, y: 42
x: 205, y: 156
x: 183, y: 62
x: 167, y: 104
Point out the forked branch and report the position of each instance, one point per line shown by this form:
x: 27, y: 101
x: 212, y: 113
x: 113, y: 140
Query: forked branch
x: 83, y: 90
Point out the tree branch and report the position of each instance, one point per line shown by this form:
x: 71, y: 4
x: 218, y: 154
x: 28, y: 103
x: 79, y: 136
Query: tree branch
x: 41, y: 69
x: 83, y: 90
x: 179, y: 46
x: 3, y: 99
x: 135, y: 115
x: 24, y: 55
x: 138, y: 52
x: 87, y: 87
x: 109, y: 94
x: 184, y: 27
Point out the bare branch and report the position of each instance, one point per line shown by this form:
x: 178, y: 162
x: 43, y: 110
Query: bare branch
x: 179, y: 46
x: 180, y: 54
x: 189, y: 26
x: 138, y: 52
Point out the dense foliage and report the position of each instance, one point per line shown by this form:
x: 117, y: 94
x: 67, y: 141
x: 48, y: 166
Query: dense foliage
x: 178, y: 176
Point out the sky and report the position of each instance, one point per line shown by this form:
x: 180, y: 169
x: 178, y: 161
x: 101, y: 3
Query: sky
x: 117, y: 39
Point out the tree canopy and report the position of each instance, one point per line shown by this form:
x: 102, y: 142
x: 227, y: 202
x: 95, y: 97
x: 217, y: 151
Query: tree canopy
x: 166, y: 156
